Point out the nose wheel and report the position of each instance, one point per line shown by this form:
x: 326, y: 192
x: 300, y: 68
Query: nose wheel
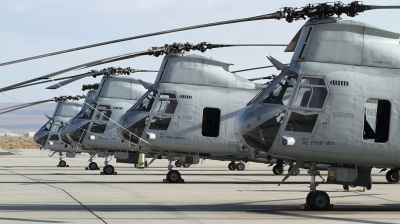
x: 393, y: 176
x: 173, y: 176
x: 316, y: 200
x: 278, y: 170
x: 62, y: 163
x: 232, y: 166
x: 93, y: 166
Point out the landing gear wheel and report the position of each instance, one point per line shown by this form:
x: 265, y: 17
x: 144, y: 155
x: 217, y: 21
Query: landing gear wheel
x: 93, y: 166
x: 308, y: 197
x: 319, y: 200
x: 296, y: 172
x: 346, y: 187
x: 186, y: 165
x: 178, y: 163
x: 108, y: 170
x: 240, y: 166
x: 173, y: 176
x: 232, y: 166
x: 393, y: 176
x: 278, y: 170
x: 62, y: 163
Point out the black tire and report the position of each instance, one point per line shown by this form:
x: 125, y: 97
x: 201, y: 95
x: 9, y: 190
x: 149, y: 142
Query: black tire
x: 173, y: 176
x: 319, y: 200
x: 232, y: 166
x: 186, y: 165
x: 62, y: 163
x: 93, y: 166
x: 308, y: 197
x: 393, y: 176
x: 108, y: 170
x: 145, y: 164
x: 278, y: 170
x: 178, y: 163
x: 346, y: 187
x: 240, y: 166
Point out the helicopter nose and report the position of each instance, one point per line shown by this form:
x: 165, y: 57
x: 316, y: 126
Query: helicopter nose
x: 257, y: 126
x: 131, y: 126
x: 62, y: 134
x: 77, y: 130
x: 239, y: 127
x: 40, y: 137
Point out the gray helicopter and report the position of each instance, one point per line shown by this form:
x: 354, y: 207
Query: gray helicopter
x: 47, y: 136
x: 325, y: 119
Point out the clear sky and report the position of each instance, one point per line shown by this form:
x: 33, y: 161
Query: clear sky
x: 29, y: 28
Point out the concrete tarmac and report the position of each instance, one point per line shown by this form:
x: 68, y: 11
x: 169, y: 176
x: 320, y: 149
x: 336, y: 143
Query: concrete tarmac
x: 34, y: 190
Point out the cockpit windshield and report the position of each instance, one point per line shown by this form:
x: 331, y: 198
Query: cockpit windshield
x: 47, y: 126
x: 280, y: 91
x: 146, y: 102
x: 87, y: 112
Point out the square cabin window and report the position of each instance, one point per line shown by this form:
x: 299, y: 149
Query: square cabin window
x: 211, y: 120
x: 376, y: 120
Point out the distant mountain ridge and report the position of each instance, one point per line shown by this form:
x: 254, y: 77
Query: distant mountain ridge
x: 29, y: 119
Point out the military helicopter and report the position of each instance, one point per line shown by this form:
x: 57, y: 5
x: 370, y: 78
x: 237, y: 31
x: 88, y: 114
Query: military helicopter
x: 313, y: 67
x: 325, y: 120
x: 47, y: 136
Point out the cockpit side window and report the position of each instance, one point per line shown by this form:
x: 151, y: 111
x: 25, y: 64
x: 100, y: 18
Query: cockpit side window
x: 167, y: 103
x: 87, y: 112
x: 282, y: 91
x: 163, y: 110
x: 312, y: 93
x: 146, y: 102
x: 103, y: 113
x: 47, y: 126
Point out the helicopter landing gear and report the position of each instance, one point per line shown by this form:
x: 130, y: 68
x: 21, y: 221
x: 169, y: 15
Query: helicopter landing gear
x: 232, y: 166
x: 173, y: 176
x: 107, y: 169
x: 393, y: 176
x: 296, y: 172
x: 278, y: 170
x: 62, y: 163
x: 92, y: 165
x: 240, y: 166
x: 178, y: 163
x: 316, y: 200
x: 186, y: 165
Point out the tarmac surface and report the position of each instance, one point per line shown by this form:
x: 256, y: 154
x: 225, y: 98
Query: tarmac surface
x: 34, y: 190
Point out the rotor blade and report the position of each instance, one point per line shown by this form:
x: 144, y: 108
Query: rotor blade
x: 261, y: 78
x: 27, y: 105
x: 66, y: 82
x: 276, y: 15
x: 256, y: 68
x: 37, y: 83
x: 86, y: 65
x: 248, y: 45
x: 383, y: 7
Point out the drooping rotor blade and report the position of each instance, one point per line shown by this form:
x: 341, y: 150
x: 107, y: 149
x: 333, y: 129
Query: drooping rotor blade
x: 250, y: 69
x: 66, y: 82
x: 383, y: 7
x: 156, y: 51
x: 82, y: 66
x: 37, y: 83
x: 276, y: 15
x: 263, y: 78
x: 25, y: 105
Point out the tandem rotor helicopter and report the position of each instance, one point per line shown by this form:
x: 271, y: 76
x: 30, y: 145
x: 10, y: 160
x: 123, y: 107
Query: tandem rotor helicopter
x: 338, y: 69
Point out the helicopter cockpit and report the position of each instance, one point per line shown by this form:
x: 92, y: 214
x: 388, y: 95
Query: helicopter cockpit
x: 40, y: 137
x: 158, y: 108
x: 270, y: 106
